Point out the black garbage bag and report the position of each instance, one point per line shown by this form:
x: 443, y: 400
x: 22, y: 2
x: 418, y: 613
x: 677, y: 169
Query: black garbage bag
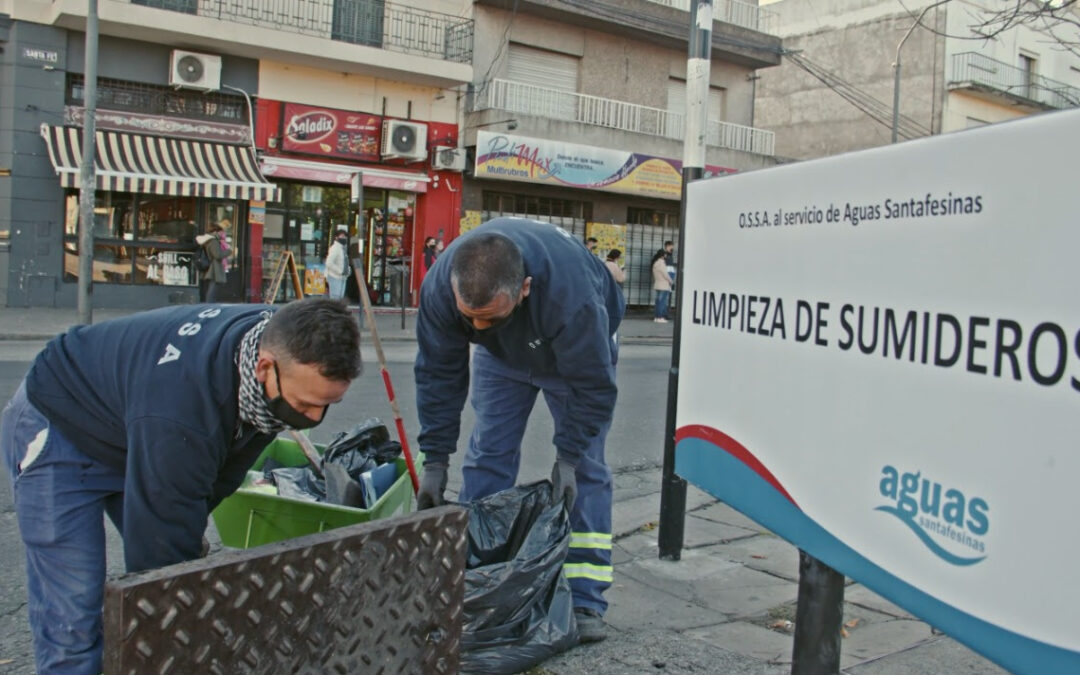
x: 368, y: 439
x: 519, y: 609
x: 296, y: 482
x: 363, y: 448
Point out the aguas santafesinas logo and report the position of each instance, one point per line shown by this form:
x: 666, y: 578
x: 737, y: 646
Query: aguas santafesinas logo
x: 946, y: 521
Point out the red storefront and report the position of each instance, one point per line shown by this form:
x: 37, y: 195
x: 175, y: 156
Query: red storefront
x: 313, y: 154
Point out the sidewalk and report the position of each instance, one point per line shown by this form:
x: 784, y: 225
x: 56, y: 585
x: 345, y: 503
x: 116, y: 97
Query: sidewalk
x: 728, y: 606
x: 43, y: 323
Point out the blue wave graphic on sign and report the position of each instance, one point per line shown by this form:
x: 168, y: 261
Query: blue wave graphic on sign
x: 935, y: 548
x: 702, y: 459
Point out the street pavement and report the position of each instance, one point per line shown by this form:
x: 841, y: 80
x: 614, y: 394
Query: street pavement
x: 726, y: 607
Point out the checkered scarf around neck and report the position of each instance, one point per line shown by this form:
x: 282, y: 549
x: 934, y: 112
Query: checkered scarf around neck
x: 253, y: 408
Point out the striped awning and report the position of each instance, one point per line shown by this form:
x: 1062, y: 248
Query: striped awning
x: 160, y: 165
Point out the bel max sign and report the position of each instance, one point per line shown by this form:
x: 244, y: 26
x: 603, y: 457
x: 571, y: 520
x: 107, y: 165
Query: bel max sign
x: 881, y: 364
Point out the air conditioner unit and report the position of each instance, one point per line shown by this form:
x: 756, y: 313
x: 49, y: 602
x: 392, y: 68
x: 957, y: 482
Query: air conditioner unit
x: 195, y: 71
x: 447, y: 158
x: 402, y: 139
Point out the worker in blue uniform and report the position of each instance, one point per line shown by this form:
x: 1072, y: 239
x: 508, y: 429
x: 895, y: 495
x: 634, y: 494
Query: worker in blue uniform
x: 543, y: 313
x: 153, y: 419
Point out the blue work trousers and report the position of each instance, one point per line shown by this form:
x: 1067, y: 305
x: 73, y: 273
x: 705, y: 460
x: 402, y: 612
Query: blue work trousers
x: 503, y: 397
x: 60, y: 498
x: 663, y: 298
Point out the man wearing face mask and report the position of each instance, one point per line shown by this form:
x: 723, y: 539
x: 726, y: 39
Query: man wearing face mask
x: 153, y: 419
x: 542, y: 312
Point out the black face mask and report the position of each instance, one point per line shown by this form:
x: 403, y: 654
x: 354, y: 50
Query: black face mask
x: 284, y: 412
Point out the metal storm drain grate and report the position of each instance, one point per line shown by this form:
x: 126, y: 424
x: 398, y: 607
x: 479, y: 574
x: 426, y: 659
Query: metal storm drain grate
x: 379, y: 597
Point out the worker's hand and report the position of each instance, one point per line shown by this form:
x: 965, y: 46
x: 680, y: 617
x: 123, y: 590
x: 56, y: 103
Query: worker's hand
x: 432, y: 486
x: 564, y: 484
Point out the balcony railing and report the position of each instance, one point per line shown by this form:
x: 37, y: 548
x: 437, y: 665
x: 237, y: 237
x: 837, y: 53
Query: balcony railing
x: 745, y: 14
x: 528, y: 99
x: 982, y: 70
x: 373, y: 23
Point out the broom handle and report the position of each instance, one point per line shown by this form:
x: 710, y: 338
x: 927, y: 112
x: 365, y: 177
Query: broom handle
x: 366, y: 302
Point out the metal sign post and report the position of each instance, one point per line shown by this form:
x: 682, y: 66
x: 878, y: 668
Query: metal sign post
x: 673, y: 488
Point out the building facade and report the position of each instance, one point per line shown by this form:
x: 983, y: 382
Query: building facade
x: 834, y: 92
x: 284, y: 124
x: 575, y: 116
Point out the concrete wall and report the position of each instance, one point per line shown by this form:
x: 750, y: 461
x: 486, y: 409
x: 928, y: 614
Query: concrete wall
x: 352, y: 91
x: 612, y: 66
x: 809, y: 118
x: 306, y: 41
x: 33, y: 93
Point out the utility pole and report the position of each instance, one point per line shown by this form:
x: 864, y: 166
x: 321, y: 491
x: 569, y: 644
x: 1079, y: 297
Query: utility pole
x: 698, y: 62
x: 896, y: 69
x: 87, y: 177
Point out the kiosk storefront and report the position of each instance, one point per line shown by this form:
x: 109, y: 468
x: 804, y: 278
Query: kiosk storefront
x: 314, y: 153
x: 154, y: 195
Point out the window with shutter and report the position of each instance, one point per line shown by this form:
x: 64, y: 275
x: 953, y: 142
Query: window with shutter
x: 549, y: 79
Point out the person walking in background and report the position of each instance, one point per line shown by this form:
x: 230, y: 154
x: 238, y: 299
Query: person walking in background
x: 543, y: 314
x: 669, y: 260
x: 613, y: 266
x: 662, y: 285
x: 337, y: 265
x: 591, y: 244
x: 212, y: 284
x: 429, y: 252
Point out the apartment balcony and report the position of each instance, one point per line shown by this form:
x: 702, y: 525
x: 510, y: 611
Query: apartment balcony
x: 745, y: 14
x: 527, y: 99
x: 374, y: 36
x: 995, y: 79
x: 742, y: 33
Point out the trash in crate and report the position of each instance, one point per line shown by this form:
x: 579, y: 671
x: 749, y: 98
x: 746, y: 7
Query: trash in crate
x: 358, y: 465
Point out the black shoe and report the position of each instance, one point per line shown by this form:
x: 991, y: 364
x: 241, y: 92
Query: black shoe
x: 590, y: 625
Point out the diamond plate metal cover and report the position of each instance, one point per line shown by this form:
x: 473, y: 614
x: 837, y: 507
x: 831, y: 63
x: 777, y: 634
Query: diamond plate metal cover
x: 379, y: 597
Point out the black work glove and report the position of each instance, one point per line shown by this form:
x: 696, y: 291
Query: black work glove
x: 564, y: 484
x: 432, y: 486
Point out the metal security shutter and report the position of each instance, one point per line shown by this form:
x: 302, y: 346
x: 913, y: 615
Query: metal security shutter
x: 642, y: 241
x: 543, y: 68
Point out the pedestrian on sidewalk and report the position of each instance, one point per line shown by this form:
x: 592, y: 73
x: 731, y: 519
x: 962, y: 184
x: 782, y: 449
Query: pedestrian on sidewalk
x: 153, y: 419
x: 337, y: 265
x: 612, y: 263
x: 212, y: 284
x: 662, y: 285
x: 543, y: 313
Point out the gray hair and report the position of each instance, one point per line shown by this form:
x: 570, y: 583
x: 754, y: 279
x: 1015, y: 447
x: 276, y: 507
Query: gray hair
x: 485, y: 266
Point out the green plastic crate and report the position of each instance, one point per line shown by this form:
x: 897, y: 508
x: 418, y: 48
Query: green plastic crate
x: 249, y: 518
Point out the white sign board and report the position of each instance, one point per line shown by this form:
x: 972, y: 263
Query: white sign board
x: 881, y: 363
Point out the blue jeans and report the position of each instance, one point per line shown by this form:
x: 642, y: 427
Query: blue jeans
x: 336, y: 287
x: 662, y: 299
x: 503, y: 397
x: 60, y: 496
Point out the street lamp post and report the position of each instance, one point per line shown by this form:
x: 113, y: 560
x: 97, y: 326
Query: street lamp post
x: 87, y: 178
x: 896, y: 69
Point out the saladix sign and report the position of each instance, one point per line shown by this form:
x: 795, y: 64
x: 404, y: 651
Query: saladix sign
x: 881, y: 363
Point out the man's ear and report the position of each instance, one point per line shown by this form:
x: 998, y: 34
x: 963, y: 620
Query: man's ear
x: 525, y: 287
x: 263, y: 366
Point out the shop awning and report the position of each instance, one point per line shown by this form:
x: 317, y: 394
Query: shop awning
x: 341, y: 174
x: 160, y: 165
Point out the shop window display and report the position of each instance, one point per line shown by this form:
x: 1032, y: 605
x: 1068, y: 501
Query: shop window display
x: 303, y: 223
x: 138, y: 239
